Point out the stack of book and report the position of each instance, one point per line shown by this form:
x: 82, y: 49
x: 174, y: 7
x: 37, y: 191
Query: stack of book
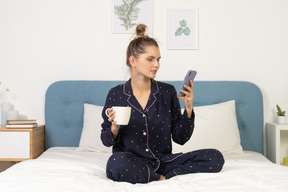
x: 21, y: 124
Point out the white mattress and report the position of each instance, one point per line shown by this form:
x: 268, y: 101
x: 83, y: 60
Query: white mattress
x: 65, y: 169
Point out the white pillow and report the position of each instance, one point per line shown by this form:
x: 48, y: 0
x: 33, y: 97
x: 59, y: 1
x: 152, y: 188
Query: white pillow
x: 215, y: 127
x: 90, y: 138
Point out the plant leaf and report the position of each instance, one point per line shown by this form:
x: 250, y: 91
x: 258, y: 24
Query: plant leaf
x: 128, y: 12
x: 187, y: 31
x: 179, y: 31
x: 183, y: 23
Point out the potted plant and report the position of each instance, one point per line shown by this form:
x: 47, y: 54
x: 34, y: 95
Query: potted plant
x: 281, y: 115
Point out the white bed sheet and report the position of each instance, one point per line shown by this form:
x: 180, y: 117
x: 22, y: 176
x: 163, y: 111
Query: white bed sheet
x: 64, y: 169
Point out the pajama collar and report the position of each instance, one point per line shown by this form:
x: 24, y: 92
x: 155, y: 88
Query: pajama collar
x: 127, y: 89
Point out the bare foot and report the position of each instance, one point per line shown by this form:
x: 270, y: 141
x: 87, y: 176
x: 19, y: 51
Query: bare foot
x: 161, y: 178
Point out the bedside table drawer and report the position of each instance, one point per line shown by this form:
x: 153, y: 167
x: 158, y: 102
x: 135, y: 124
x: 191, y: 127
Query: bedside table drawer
x: 15, y: 144
x: 21, y: 144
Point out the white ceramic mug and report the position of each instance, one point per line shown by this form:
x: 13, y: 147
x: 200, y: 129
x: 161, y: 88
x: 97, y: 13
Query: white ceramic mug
x: 122, y: 114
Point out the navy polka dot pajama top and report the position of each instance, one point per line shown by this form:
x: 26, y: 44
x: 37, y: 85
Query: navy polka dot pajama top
x: 142, y: 151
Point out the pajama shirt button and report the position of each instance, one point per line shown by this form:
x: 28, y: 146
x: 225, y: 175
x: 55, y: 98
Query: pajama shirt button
x: 147, y: 150
x: 144, y: 133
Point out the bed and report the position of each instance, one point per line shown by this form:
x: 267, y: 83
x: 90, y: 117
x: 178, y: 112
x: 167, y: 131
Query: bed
x: 229, y: 117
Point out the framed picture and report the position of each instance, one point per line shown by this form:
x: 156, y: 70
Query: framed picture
x: 127, y: 14
x: 183, y: 29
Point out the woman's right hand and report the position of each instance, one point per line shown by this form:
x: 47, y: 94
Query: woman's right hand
x: 114, y: 128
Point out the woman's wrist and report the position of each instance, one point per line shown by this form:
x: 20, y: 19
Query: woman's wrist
x: 189, y: 111
x: 115, y: 131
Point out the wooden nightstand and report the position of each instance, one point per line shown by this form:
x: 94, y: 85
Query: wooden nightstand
x: 21, y: 144
x: 277, y: 142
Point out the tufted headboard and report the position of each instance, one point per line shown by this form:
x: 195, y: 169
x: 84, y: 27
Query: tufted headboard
x: 64, y: 108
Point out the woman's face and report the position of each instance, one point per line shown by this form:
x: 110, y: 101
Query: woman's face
x: 148, y: 63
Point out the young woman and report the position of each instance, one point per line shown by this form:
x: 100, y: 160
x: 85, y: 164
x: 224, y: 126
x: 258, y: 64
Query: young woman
x: 142, y: 150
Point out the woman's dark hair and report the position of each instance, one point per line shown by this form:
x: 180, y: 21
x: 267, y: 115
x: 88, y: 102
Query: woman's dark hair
x: 138, y: 44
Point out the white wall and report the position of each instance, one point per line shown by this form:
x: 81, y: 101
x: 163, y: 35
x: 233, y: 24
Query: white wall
x: 42, y: 41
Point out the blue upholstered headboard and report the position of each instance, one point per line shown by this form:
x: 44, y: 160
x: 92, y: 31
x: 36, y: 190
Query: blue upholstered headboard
x: 64, y: 108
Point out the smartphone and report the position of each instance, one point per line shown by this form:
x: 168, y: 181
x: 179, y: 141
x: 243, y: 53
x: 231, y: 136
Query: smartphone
x: 189, y: 76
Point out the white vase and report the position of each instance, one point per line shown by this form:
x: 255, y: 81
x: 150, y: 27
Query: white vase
x: 282, y: 119
x: 5, y: 107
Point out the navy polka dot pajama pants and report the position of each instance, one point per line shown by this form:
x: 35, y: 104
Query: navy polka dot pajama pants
x: 127, y: 167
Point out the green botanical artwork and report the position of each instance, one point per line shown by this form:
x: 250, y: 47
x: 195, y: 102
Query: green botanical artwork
x: 128, y: 12
x: 183, y: 29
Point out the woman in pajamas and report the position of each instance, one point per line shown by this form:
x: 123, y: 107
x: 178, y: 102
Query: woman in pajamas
x: 142, y: 150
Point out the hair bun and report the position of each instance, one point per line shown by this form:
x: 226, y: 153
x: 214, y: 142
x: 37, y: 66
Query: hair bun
x: 141, y: 30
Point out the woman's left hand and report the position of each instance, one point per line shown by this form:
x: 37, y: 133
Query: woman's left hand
x: 188, y: 98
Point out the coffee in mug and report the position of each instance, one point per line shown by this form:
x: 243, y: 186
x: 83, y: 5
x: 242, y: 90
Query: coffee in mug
x: 122, y: 114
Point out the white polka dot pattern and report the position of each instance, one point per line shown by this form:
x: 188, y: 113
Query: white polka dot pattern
x: 142, y: 150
